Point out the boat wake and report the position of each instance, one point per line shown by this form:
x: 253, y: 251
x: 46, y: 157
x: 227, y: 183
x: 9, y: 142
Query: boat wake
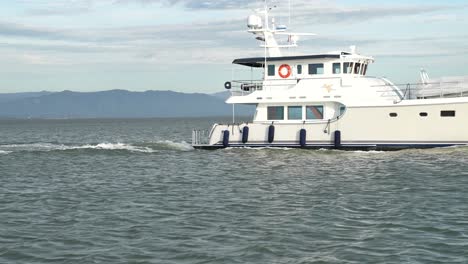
x: 137, y: 147
x: 171, y: 145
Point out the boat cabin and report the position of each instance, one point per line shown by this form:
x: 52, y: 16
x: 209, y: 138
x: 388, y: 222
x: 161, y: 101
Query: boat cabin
x: 311, y: 66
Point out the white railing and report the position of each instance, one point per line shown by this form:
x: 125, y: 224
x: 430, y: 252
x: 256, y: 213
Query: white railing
x: 420, y: 91
x: 200, y: 137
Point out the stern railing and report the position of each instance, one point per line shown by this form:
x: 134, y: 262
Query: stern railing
x: 200, y: 137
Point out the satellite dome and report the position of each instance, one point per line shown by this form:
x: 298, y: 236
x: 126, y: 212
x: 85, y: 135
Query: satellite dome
x: 254, y: 22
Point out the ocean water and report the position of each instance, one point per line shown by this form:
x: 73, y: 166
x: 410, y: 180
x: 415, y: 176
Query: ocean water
x: 134, y: 191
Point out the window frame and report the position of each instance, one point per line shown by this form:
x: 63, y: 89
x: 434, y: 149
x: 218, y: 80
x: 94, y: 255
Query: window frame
x: 316, y: 68
x: 295, y: 106
x: 350, y: 66
x: 299, y: 69
x: 278, y: 107
x: 364, y: 69
x: 357, y: 68
x: 271, y: 69
x: 448, y: 113
x: 323, y: 112
x: 340, y: 68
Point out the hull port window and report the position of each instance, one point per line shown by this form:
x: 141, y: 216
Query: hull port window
x: 294, y: 112
x: 336, y: 68
x: 275, y: 113
x: 348, y: 67
x: 447, y: 113
x: 271, y: 70
x: 393, y: 114
x: 299, y: 69
x: 423, y: 114
x: 314, y: 112
x: 316, y: 68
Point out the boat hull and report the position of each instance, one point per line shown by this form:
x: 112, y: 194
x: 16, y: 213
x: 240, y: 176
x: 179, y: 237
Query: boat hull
x: 392, y: 127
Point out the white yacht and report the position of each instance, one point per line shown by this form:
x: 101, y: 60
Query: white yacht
x: 329, y: 101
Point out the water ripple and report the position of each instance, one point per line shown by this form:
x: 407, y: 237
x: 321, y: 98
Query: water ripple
x: 153, y: 199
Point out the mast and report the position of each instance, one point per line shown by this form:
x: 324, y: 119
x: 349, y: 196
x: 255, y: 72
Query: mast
x: 259, y: 25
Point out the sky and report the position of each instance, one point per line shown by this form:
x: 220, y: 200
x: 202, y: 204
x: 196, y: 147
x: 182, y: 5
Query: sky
x: 188, y: 45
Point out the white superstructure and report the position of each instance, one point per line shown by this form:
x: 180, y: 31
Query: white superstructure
x: 328, y: 101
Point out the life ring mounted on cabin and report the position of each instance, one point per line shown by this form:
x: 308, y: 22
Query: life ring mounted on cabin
x: 284, y: 71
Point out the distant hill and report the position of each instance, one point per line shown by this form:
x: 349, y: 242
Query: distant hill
x: 223, y: 95
x: 8, y: 97
x: 115, y: 104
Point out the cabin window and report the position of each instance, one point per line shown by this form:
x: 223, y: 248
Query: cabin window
x: 275, y: 113
x: 364, y: 69
x: 342, y: 110
x: 336, y: 68
x: 447, y: 113
x: 316, y: 68
x: 357, y: 68
x: 393, y: 114
x: 423, y: 114
x: 314, y: 112
x: 299, y: 69
x: 348, y: 67
x: 271, y: 70
x: 294, y: 112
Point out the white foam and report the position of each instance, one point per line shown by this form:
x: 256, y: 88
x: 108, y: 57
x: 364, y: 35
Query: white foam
x: 369, y: 151
x: 4, y: 152
x: 115, y: 146
x: 54, y: 147
x: 34, y: 147
x: 183, y: 146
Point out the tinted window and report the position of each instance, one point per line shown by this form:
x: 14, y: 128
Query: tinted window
x: 294, y: 112
x: 275, y: 113
x: 271, y: 70
x: 357, y: 68
x: 314, y: 112
x: 299, y: 69
x: 336, y: 68
x: 316, y: 68
x: 364, y: 69
x: 342, y: 110
x: 423, y: 114
x: 447, y: 113
x: 348, y: 67
x: 393, y: 114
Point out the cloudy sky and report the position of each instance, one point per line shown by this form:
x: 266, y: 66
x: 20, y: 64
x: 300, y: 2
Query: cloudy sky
x: 188, y: 45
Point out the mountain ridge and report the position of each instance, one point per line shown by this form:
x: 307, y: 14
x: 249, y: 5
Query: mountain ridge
x: 115, y: 104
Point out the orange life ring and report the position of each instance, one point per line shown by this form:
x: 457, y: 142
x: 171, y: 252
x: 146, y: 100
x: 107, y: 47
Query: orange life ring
x: 281, y: 69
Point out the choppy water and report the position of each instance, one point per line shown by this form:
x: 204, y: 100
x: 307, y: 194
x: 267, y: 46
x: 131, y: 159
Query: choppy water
x: 133, y: 191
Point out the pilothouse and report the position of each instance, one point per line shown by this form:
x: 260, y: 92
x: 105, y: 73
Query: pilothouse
x: 329, y: 101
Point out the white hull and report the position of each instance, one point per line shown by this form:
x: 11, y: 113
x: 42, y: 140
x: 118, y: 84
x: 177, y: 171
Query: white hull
x: 363, y: 127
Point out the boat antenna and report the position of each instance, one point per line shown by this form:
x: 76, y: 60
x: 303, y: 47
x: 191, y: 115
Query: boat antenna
x: 266, y: 51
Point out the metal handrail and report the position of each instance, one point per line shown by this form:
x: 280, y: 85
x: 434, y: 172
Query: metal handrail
x: 199, y: 137
x: 431, y: 90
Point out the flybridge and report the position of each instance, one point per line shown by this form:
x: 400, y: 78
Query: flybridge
x: 259, y: 62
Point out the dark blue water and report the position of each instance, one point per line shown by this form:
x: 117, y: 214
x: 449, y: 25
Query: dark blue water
x: 134, y: 191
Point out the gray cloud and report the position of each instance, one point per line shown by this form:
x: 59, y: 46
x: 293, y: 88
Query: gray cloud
x: 223, y: 39
x: 195, y: 4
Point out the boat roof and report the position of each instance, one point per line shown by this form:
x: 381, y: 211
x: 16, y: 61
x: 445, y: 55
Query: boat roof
x: 258, y: 62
